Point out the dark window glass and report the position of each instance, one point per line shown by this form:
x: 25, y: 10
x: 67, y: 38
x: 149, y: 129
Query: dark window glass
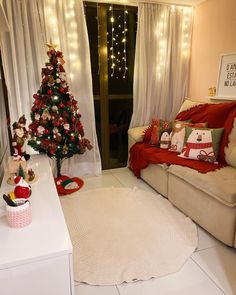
x: 92, y: 26
x: 120, y: 111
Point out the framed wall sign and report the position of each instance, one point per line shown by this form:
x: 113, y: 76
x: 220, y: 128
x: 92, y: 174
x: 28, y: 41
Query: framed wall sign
x: 226, y: 86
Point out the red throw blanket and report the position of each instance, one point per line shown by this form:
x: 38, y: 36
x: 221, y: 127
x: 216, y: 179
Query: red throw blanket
x: 217, y: 115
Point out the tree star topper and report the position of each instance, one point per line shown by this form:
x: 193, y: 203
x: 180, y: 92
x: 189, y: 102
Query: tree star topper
x: 50, y: 45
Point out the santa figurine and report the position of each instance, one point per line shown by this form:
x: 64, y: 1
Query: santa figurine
x: 22, y: 188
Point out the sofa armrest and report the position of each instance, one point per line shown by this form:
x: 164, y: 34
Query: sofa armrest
x: 135, y: 135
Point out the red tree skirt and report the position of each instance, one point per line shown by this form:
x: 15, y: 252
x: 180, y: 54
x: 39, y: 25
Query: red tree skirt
x: 66, y: 185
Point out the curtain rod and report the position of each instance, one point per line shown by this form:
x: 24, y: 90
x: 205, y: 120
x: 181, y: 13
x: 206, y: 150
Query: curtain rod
x: 163, y: 3
x: 136, y: 2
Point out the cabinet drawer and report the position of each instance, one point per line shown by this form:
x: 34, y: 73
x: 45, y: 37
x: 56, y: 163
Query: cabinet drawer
x: 47, y: 277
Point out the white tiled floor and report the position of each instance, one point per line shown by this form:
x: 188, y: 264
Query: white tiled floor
x: 210, y: 271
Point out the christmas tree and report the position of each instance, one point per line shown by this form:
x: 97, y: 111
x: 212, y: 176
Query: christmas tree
x: 56, y: 129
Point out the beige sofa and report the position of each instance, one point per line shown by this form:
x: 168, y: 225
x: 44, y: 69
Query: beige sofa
x: 209, y: 199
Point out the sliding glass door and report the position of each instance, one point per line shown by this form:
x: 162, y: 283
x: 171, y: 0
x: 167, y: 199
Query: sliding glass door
x: 112, y: 34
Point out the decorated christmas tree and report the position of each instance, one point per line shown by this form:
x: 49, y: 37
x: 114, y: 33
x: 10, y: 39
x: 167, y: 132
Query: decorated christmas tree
x: 56, y: 129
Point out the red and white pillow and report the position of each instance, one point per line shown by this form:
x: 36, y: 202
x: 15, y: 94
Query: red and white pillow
x: 161, y: 133
x: 178, y: 134
x: 202, y: 144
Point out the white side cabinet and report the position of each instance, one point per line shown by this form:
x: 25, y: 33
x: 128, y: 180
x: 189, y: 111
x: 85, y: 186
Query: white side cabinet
x: 36, y: 259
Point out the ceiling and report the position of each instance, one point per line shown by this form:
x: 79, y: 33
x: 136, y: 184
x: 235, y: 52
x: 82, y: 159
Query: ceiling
x: 135, y: 2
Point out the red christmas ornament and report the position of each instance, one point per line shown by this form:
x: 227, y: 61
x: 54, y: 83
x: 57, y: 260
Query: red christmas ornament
x: 72, y: 138
x: 73, y: 120
x: 49, y: 92
x: 52, y: 152
x: 35, y: 96
x: 61, y: 105
x: 46, y: 131
x: 32, y: 109
x: 62, y: 90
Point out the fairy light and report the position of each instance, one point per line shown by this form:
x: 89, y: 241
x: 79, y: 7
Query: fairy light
x: 186, y: 23
x: 160, y: 34
x: 112, y: 41
x: 124, y: 42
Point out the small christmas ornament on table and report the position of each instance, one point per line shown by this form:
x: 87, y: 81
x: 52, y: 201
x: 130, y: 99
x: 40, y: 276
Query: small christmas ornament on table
x: 22, y: 189
x: 17, y: 165
x: 56, y: 129
x: 18, y: 209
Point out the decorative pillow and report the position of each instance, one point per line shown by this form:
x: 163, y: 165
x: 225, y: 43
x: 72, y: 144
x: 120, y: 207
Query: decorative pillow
x: 161, y: 133
x: 178, y: 134
x: 155, y: 131
x: 202, y: 144
x: 147, y: 134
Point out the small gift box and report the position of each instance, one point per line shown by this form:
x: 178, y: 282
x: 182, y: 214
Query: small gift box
x: 19, y: 216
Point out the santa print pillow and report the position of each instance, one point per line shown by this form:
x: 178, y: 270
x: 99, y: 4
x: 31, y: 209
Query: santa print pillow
x: 161, y: 133
x: 202, y: 144
x: 178, y: 134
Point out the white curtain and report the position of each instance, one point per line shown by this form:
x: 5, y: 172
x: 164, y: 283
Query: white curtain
x: 32, y: 24
x: 161, y: 61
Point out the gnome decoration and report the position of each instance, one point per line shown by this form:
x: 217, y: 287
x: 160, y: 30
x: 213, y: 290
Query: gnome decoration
x: 165, y: 139
x: 20, y: 135
x: 22, y: 189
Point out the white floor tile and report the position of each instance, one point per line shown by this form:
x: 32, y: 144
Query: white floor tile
x: 189, y: 280
x: 129, y: 180
x: 205, y: 240
x: 219, y: 263
x: 103, y: 180
x: 119, y: 170
x: 84, y: 289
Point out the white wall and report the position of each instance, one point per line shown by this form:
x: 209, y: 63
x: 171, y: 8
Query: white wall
x: 213, y: 34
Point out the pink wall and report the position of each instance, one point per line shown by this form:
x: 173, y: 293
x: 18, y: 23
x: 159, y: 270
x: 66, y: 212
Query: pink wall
x: 213, y: 34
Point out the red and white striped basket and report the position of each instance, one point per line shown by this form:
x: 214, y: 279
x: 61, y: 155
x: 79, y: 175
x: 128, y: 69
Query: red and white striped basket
x: 21, y: 215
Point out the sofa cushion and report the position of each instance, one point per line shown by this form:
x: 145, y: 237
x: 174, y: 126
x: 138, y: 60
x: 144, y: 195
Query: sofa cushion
x: 230, y: 150
x: 219, y: 184
x: 189, y: 103
x: 178, y: 134
x: 137, y: 133
x: 202, y: 144
x: 161, y: 130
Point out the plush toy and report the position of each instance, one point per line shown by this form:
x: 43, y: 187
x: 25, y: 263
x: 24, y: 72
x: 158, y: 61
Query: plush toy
x: 22, y: 188
x: 19, y: 136
x: 165, y: 139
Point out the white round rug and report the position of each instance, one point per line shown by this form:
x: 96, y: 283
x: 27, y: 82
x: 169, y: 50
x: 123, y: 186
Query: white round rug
x: 123, y: 235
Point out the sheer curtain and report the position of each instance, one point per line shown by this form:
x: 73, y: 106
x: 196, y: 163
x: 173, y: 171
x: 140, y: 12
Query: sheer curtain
x: 32, y: 24
x: 161, y: 61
